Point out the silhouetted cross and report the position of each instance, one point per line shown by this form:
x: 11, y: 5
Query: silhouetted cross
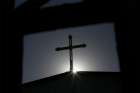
x: 70, y: 48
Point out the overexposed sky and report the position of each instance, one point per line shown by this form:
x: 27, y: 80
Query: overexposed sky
x: 40, y: 59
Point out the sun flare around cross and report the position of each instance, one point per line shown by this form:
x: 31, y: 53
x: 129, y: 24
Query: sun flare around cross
x: 76, y: 68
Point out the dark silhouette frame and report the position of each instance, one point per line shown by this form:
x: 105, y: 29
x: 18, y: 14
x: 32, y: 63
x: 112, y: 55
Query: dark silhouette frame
x: 29, y: 19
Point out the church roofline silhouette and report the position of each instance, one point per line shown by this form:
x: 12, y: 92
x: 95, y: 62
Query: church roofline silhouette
x: 81, y: 82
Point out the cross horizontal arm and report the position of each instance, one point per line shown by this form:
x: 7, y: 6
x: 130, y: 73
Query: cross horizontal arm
x: 75, y: 46
x: 79, y: 46
x: 61, y: 48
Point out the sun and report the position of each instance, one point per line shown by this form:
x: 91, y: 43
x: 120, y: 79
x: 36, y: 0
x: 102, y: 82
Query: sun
x: 76, y: 69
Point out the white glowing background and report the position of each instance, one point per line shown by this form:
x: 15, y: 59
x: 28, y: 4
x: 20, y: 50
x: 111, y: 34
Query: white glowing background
x: 40, y: 59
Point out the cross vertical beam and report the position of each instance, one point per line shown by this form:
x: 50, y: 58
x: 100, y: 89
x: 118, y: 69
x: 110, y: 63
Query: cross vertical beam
x: 70, y: 48
x: 70, y: 53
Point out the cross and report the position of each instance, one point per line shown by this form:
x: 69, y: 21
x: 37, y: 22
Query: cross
x: 70, y: 48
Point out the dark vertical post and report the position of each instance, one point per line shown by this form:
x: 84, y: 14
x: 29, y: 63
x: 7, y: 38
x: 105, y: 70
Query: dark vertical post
x: 70, y: 53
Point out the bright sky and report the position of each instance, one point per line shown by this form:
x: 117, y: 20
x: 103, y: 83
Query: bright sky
x: 40, y: 59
